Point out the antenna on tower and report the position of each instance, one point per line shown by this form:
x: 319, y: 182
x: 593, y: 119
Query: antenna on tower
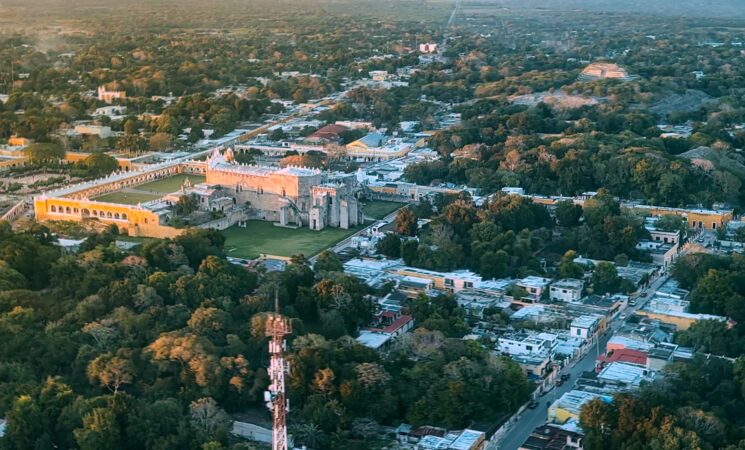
x: 277, y: 327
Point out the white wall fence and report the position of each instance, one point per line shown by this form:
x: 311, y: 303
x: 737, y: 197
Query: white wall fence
x: 18, y: 209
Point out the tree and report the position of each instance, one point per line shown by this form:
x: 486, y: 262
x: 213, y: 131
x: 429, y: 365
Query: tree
x: 111, y: 371
x: 200, y: 243
x: 306, y: 434
x: 568, y: 268
x: 100, y: 164
x: 409, y: 251
x: 43, y: 153
x: 208, y: 419
x: 390, y: 245
x: 25, y: 424
x: 327, y: 261
x: 568, y: 213
x: 160, y: 142
x: 195, y: 134
x: 10, y: 278
x: 740, y: 234
x: 672, y: 223
x: 100, y: 430
x: 186, y: 205
x: 711, y: 336
x: 406, y: 222
x: 605, y: 279
x: 131, y: 143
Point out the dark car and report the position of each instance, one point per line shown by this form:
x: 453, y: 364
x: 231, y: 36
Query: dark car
x: 560, y: 381
x: 533, y: 404
x: 565, y: 377
x: 643, y: 294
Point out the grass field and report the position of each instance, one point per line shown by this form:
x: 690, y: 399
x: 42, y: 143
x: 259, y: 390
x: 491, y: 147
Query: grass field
x: 379, y: 209
x: 127, y: 198
x: 170, y: 184
x: 263, y: 237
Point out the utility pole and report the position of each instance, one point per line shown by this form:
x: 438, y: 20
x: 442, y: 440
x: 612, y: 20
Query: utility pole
x: 277, y: 327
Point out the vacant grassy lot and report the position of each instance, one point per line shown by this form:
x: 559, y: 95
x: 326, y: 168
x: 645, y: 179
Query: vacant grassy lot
x: 379, y: 209
x: 127, y: 198
x: 263, y: 237
x: 170, y: 184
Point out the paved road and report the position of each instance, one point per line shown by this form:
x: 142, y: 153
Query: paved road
x: 532, y: 418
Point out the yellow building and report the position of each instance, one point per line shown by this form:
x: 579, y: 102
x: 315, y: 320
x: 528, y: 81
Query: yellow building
x: 16, y: 141
x: 133, y: 220
x: 697, y: 218
x: 682, y: 320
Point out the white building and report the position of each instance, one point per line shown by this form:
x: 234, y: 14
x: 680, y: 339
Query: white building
x: 112, y: 112
x: 568, y: 290
x: 625, y: 375
x: 584, y: 326
x: 536, y: 344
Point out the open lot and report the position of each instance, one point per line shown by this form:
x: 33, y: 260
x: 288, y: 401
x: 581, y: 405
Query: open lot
x: 127, y: 198
x: 263, y: 237
x: 170, y: 184
x: 379, y: 209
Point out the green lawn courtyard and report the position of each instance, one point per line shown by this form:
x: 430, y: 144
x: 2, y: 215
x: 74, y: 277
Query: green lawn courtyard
x: 127, y: 198
x: 170, y: 184
x: 263, y: 237
x: 379, y: 209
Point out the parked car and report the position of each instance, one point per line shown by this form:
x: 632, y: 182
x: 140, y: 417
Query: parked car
x: 565, y: 377
x: 559, y: 382
x: 533, y: 404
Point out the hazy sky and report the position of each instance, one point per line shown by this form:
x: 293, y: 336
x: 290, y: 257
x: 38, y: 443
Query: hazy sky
x: 702, y: 8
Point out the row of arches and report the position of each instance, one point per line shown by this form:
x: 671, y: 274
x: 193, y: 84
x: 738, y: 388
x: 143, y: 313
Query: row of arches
x: 131, y: 182
x: 85, y: 212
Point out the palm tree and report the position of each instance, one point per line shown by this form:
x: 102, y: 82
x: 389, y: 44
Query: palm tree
x: 307, y: 434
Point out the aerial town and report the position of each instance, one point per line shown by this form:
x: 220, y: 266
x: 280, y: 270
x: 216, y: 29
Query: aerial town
x: 349, y: 224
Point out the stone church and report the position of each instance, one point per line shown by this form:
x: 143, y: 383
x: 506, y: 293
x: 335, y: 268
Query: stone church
x: 298, y: 196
